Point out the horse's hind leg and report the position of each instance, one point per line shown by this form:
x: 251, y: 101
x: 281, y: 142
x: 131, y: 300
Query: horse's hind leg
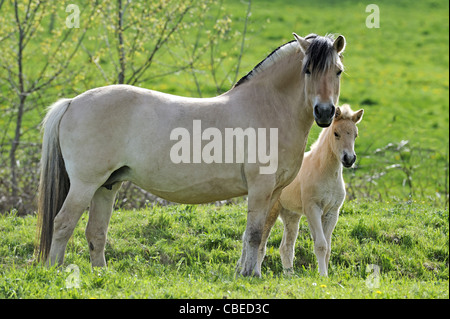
x: 76, y: 202
x: 97, y: 228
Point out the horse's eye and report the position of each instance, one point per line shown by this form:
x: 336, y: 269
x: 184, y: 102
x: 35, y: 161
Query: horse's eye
x: 308, y: 72
x: 339, y: 73
x: 336, y: 135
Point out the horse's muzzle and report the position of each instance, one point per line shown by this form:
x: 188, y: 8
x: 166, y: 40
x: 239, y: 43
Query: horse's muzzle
x: 324, y: 114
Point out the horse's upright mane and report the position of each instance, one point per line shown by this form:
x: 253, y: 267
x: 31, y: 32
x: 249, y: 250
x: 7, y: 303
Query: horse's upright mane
x: 320, y: 55
x: 272, y: 58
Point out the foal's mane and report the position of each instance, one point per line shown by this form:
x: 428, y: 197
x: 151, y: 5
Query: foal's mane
x: 346, y: 113
x: 320, y: 55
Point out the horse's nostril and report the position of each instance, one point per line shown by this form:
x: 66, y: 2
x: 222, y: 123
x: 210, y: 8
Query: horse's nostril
x: 333, y: 109
x: 317, y: 110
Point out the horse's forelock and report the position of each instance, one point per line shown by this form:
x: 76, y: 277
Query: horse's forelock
x: 321, y: 54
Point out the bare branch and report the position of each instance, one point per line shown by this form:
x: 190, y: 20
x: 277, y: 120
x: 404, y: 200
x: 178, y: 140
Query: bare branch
x: 121, y: 46
x: 163, y: 38
x: 93, y: 60
x: 63, y: 65
x: 247, y: 16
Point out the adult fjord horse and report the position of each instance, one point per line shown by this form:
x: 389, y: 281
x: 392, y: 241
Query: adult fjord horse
x: 100, y: 138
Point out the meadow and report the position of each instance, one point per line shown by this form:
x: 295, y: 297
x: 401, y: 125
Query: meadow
x: 398, y: 73
x: 190, y: 251
x: 396, y: 214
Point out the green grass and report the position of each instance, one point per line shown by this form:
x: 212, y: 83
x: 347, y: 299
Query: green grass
x: 186, y: 251
x: 398, y: 73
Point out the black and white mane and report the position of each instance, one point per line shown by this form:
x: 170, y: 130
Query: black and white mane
x: 319, y: 56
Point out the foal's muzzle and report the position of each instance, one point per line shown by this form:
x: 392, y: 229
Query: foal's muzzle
x: 348, y: 160
x: 324, y: 114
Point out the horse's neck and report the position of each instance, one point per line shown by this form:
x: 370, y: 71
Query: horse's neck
x: 281, y: 85
x: 285, y: 75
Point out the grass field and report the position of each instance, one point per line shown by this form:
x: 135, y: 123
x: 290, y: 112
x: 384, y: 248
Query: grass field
x: 398, y: 221
x: 398, y: 73
x: 185, y: 251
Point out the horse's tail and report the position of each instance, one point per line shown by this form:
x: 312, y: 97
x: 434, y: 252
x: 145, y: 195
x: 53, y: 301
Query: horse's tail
x: 54, y: 182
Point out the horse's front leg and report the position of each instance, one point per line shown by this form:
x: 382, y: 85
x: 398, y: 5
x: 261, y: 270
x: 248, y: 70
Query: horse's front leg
x: 270, y: 221
x: 261, y: 198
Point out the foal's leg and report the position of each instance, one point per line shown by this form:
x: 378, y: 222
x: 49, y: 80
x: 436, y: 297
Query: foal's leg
x: 291, y: 220
x: 329, y: 221
x: 314, y: 215
x: 97, y: 227
x: 76, y: 202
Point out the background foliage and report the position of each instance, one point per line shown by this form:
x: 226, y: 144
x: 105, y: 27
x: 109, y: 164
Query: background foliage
x: 398, y: 73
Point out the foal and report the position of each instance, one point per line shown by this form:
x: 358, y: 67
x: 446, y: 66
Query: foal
x: 318, y: 191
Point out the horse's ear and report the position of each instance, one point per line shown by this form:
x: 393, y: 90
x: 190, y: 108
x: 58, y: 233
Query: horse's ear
x: 339, y: 44
x: 338, y: 113
x: 304, y: 45
x: 357, y: 117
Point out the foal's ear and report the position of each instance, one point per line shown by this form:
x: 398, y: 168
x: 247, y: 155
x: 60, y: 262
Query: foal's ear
x: 338, y: 113
x: 339, y: 44
x: 357, y: 117
x: 304, y: 45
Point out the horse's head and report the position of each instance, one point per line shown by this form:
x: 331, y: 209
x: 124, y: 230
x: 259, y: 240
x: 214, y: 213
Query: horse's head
x: 322, y: 67
x: 344, y: 133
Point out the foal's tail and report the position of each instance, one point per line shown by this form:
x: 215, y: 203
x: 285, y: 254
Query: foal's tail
x: 54, y: 181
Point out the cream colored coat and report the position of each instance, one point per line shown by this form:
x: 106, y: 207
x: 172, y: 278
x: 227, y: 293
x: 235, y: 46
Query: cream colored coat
x: 318, y: 191
x: 118, y: 133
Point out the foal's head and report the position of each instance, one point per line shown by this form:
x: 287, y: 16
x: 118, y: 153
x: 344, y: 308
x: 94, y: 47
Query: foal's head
x: 322, y: 67
x: 343, y: 132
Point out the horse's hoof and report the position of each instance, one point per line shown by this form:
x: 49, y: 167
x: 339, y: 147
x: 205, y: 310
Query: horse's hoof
x: 250, y: 273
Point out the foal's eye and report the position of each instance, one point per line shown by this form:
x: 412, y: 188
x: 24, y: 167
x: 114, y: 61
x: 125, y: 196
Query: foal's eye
x: 339, y: 73
x: 336, y: 134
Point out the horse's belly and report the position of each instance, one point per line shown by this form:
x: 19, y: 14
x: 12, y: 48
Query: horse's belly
x: 198, y: 195
x: 192, y: 185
